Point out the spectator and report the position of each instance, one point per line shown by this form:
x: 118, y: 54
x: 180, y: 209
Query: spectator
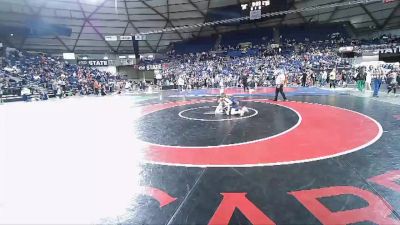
x: 1, y: 93
x: 368, y: 79
x: 332, y: 78
x: 26, y: 93
x: 51, y: 74
x: 361, y: 76
x: 324, y: 77
x: 377, y: 80
x: 392, y: 82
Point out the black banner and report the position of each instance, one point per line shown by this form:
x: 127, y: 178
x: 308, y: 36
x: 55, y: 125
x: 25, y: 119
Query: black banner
x: 389, y: 57
x: 135, y: 44
x: 89, y: 62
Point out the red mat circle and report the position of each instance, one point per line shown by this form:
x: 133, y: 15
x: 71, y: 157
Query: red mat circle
x: 324, y: 132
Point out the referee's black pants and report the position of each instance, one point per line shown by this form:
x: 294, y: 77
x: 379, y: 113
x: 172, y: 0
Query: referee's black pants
x: 279, y: 89
x: 245, y: 86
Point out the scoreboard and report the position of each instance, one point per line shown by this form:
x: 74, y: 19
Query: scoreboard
x: 255, y: 8
x: 257, y: 5
x: 252, y: 8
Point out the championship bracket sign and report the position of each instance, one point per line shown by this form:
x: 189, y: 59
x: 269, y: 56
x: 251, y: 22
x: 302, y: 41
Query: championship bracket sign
x: 93, y: 62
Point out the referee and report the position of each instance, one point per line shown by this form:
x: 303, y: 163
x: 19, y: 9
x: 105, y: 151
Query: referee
x: 245, y: 83
x: 279, y: 82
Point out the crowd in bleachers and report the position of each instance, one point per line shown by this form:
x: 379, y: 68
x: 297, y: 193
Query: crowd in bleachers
x: 25, y: 74
x: 305, y: 63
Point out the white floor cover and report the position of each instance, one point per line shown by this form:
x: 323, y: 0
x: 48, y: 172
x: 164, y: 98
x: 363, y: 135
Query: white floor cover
x: 70, y: 161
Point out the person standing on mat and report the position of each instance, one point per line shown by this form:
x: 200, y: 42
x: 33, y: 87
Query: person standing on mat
x: 361, y: 76
x: 332, y: 78
x: 304, y: 78
x: 279, y: 82
x: 377, y: 81
x: 391, y: 82
x: 245, y: 84
x: 368, y: 79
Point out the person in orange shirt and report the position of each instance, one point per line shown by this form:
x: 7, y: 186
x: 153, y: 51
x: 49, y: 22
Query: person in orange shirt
x: 96, y: 87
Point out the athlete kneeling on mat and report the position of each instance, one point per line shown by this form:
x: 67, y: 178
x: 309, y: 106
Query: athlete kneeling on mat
x: 230, y: 106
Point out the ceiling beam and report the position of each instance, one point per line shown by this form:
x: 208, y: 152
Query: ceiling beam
x: 90, y: 24
x: 299, y: 13
x: 133, y: 25
x: 197, y: 8
x: 204, y: 16
x: 103, y: 13
x: 102, y: 37
x: 79, y: 35
x: 353, y: 29
x: 63, y: 43
x: 377, y: 25
x: 10, y: 18
x: 349, y: 16
x: 120, y: 42
x: 291, y: 7
x: 164, y: 17
x: 334, y: 12
x: 165, y: 26
x: 94, y: 11
x: 35, y: 14
x: 384, y: 24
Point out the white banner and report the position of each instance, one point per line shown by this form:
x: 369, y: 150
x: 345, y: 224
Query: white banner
x: 125, y: 38
x: 84, y: 62
x: 139, y: 37
x: 150, y: 67
x: 111, y: 38
x: 346, y: 49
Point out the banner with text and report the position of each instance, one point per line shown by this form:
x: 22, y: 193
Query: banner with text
x: 93, y: 62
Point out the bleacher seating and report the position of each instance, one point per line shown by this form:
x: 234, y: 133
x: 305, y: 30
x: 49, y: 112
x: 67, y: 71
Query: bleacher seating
x: 47, y: 75
x: 201, y: 44
x: 262, y: 36
x: 255, y: 36
x: 312, y: 32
